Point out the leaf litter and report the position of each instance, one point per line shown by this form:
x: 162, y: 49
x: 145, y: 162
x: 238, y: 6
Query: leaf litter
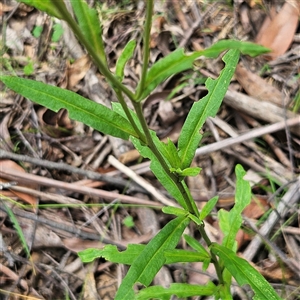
x: 81, y: 217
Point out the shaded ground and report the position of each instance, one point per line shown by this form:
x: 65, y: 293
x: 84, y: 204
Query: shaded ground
x: 70, y: 208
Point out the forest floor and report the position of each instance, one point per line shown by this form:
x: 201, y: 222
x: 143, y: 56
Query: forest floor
x: 60, y: 202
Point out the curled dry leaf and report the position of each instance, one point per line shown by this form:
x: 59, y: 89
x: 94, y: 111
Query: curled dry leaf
x: 9, y: 164
x: 257, y: 87
x: 55, y: 124
x: 77, y: 71
x: 278, y: 33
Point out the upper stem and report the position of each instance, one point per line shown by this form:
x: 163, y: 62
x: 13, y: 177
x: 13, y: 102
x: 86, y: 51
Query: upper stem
x: 149, y: 142
x: 146, y: 47
x: 92, y: 52
x: 213, y: 256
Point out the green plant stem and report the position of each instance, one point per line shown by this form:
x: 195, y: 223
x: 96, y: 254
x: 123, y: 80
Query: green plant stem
x: 213, y: 256
x: 129, y: 116
x: 89, y: 47
x: 146, y: 47
x: 138, y: 109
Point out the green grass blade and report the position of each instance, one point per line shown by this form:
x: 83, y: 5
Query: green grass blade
x: 89, y: 24
x: 181, y: 290
x: 18, y: 228
x: 244, y: 273
x: 208, y: 106
x: 152, y: 258
x: 230, y: 222
x: 81, y: 109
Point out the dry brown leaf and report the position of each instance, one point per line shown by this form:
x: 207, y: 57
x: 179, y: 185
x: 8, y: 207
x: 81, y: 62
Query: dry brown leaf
x: 257, y: 87
x: 55, y: 124
x: 278, y: 33
x: 9, y: 164
x: 256, y: 208
x: 274, y: 271
x: 157, y: 27
x: 89, y: 290
x: 38, y: 236
x: 77, y: 71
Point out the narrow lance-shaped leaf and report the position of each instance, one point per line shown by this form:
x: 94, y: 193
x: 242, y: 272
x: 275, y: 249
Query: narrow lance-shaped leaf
x: 124, y: 57
x: 111, y: 253
x: 230, y: 222
x: 88, y: 21
x: 181, y: 290
x: 208, y: 207
x: 244, y: 273
x: 152, y: 258
x: 178, y: 61
x: 201, y: 110
x: 81, y: 109
x: 128, y: 256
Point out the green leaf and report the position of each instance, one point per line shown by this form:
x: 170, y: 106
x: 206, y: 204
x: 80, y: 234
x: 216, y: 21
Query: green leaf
x: 177, y: 61
x: 181, y: 290
x: 111, y: 253
x: 152, y: 258
x: 159, y: 172
x: 171, y: 210
x: 89, y: 24
x: 128, y: 222
x: 169, y: 151
x: 194, y: 171
x: 127, y: 257
x: 208, y: 106
x: 81, y: 109
x: 47, y: 6
x: 37, y: 31
x: 208, y: 207
x: 230, y: 222
x: 124, y: 57
x: 29, y: 68
x: 184, y: 256
x: 196, y: 245
x: 247, y: 48
x: 244, y: 273
x: 57, y: 32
